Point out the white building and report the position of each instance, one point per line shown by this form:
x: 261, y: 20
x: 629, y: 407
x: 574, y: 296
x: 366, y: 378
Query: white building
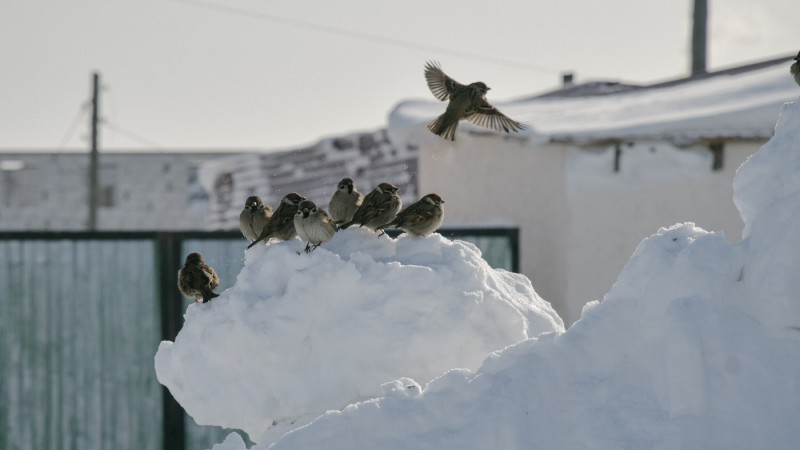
x: 602, y: 166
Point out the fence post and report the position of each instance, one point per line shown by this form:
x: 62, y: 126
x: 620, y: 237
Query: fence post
x: 169, y: 260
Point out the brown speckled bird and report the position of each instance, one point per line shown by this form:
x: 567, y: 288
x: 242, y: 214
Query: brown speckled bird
x: 344, y: 201
x: 281, y: 225
x: 313, y: 225
x: 378, y: 208
x: 253, y: 217
x: 466, y: 102
x: 795, y: 69
x: 196, y: 279
x: 421, y: 218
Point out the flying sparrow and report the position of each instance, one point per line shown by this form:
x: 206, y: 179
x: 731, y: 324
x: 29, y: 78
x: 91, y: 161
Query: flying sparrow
x: 253, y: 217
x: 421, y: 218
x: 344, y: 201
x: 196, y: 279
x: 466, y: 102
x: 281, y: 225
x: 313, y: 225
x: 378, y: 208
x: 795, y: 69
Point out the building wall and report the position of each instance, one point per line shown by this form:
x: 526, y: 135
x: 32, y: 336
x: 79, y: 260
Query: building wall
x: 138, y: 191
x: 487, y: 181
x: 657, y: 185
x: 580, y: 221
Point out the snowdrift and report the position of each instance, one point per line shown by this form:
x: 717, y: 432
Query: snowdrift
x: 301, y: 334
x: 697, y: 346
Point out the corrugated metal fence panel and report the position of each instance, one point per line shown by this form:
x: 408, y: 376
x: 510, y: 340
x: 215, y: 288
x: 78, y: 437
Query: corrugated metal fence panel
x: 80, y: 326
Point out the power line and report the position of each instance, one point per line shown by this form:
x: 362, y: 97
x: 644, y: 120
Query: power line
x: 74, y: 125
x: 373, y: 38
x: 114, y: 128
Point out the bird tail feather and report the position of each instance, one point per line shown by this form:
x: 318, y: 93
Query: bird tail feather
x: 207, y: 296
x: 444, y: 127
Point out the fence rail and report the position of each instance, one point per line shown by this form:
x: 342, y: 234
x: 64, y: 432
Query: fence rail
x: 82, y: 314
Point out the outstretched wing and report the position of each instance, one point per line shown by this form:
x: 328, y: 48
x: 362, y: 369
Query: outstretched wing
x: 439, y: 83
x: 487, y: 116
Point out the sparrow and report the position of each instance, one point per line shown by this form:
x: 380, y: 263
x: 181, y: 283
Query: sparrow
x: 421, y: 218
x: 281, y: 225
x: 196, y: 279
x: 253, y: 217
x: 344, y: 201
x: 378, y: 208
x: 313, y: 225
x: 466, y: 102
x: 795, y: 69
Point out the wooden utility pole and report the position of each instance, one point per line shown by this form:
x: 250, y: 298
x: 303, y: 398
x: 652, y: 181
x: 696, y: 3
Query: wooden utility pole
x: 699, y: 22
x: 94, y: 155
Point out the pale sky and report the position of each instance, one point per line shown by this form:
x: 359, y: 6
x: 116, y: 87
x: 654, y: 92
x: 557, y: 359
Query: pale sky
x: 256, y: 75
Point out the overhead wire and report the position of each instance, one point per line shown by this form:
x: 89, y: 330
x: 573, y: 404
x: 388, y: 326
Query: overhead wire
x: 80, y: 115
x: 363, y: 36
x: 131, y: 135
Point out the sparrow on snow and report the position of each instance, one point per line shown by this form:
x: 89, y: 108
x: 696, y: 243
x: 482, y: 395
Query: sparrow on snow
x: 281, y: 225
x: 378, y: 208
x: 253, y: 217
x: 313, y: 225
x: 795, y: 69
x: 466, y: 102
x: 421, y: 218
x: 196, y: 279
x: 344, y: 201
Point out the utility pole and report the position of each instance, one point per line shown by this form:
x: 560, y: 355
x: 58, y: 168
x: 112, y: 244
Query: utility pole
x: 94, y: 154
x: 699, y: 22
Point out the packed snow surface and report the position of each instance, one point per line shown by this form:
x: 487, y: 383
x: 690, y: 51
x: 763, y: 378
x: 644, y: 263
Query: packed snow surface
x: 300, y: 334
x: 696, y: 346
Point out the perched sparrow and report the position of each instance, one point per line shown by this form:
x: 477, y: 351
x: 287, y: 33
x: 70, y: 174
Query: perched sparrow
x: 378, y: 208
x: 466, y: 102
x: 281, y: 225
x: 344, y: 201
x: 421, y: 218
x: 197, y: 280
x: 795, y: 69
x: 313, y: 225
x: 253, y: 217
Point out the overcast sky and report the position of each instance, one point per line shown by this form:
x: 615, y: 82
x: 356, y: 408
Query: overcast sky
x: 268, y: 74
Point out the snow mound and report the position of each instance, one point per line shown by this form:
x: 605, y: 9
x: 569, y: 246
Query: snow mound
x: 301, y: 334
x: 696, y: 346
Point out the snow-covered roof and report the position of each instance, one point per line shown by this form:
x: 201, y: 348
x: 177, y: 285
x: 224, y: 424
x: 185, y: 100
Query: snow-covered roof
x: 741, y: 102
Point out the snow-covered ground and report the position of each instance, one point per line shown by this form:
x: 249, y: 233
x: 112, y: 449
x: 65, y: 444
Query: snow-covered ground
x: 417, y: 344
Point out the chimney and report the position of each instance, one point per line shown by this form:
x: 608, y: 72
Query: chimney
x: 567, y: 79
x: 699, y: 21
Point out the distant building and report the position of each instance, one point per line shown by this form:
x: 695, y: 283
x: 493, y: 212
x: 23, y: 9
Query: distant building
x: 137, y: 191
x: 602, y: 166
x: 189, y: 191
x: 369, y: 158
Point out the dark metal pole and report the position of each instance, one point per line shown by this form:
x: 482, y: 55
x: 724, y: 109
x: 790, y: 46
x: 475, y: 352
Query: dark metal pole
x: 94, y: 155
x: 168, y: 262
x: 699, y: 21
